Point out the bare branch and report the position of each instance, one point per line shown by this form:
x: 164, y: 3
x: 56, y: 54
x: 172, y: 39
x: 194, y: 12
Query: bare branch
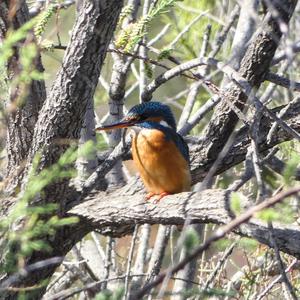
x: 275, y: 281
x: 282, y: 81
x: 217, y: 235
x: 115, y: 214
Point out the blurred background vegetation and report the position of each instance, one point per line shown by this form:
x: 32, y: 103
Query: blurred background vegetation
x: 184, y: 24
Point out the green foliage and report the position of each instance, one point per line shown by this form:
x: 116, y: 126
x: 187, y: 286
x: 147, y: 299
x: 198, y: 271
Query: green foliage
x: 33, y: 223
x: 133, y: 33
x: 219, y: 293
x: 148, y: 70
x: 12, y: 38
x: 189, y: 44
x: 291, y: 167
x: 126, y: 11
x: 248, y: 244
x: 235, y: 203
x: 271, y: 178
x: 191, y: 239
x: 207, y: 294
x: 26, y: 71
x: 223, y: 244
x: 108, y: 295
x: 42, y: 20
x: 269, y: 215
x: 283, y: 213
x: 164, y: 53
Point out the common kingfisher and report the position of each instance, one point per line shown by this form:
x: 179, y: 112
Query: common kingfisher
x: 159, y: 152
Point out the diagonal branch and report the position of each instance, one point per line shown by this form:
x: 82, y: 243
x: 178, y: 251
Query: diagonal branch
x: 254, y: 66
x: 283, y: 81
x: 217, y: 235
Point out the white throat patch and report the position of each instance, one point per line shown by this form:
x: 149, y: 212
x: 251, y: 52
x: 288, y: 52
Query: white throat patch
x: 164, y: 123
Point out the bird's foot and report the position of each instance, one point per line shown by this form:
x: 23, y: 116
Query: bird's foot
x: 150, y: 195
x: 160, y: 196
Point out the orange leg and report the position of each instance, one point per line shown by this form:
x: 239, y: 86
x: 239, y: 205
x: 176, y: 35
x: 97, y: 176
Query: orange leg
x: 160, y: 196
x: 150, y: 195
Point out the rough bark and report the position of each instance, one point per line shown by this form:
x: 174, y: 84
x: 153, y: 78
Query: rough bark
x: 21, y: 117
x: 60, y: 122
x: 254, y: 66
x: 86, y: 166
x: 61, y: 117
x: 201, y: 164
x: 210, y: 206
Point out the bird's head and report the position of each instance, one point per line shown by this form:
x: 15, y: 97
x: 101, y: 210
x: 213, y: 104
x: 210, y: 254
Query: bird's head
x: 144, y: 113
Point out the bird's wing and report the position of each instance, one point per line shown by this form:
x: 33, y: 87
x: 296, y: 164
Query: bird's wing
x: 183, y: 147
x: 171, y: 134
x: 180, y: 143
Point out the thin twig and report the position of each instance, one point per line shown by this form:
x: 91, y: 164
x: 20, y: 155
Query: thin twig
x: 217, y: 235
x: 186, y: 29
x: 280, y: 115
x: 141, y: 255
x: 129, y: 261
x: 224, y: 32
x: 276, y: 280
x: 159, y: 35
x: 219, y: 265
x: 24, y: 272
x: 107, y: 263
x: 194, y: 88
x: 281, y: 265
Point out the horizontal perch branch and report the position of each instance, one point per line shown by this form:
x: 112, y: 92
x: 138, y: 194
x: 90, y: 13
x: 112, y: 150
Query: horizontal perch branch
x: 114, y: 214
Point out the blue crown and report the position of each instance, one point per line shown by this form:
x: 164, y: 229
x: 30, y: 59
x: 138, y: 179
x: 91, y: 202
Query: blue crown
x: 153, y: 109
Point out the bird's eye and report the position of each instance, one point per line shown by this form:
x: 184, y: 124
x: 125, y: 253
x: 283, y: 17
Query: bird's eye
x: 133, y: 118
x: 142, y: 117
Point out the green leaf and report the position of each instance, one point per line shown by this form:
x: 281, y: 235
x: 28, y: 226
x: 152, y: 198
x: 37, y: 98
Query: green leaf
x: 235, y: 203
x: 164, y: 53
x: 148, y: 70
x: 291, y: 167
x: 108, y: 295
x: 42, y: 20
x: 191, y: 239
x: 248, y: 244
x: 269, y: 215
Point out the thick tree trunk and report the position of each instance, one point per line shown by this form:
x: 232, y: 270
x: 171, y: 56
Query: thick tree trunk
x: 61, y: 117
x: 22, y: 104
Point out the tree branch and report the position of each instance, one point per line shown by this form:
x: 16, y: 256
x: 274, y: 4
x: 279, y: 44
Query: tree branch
x: 282, y: 81
x: 60, y: 119
x: 217, y: 235
x: 108, y: 212
x: 254, y: 66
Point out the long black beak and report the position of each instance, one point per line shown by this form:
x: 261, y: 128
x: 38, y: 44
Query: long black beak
x: 121, y: 124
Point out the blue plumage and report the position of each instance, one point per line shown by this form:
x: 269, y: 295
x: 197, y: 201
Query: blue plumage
x: 159, y: 152
x: 152, y: 110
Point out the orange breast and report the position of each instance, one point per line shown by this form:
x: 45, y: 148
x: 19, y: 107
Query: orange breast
x: 161, y: 165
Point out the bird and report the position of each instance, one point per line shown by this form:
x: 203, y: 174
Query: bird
x: 159, y: 152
